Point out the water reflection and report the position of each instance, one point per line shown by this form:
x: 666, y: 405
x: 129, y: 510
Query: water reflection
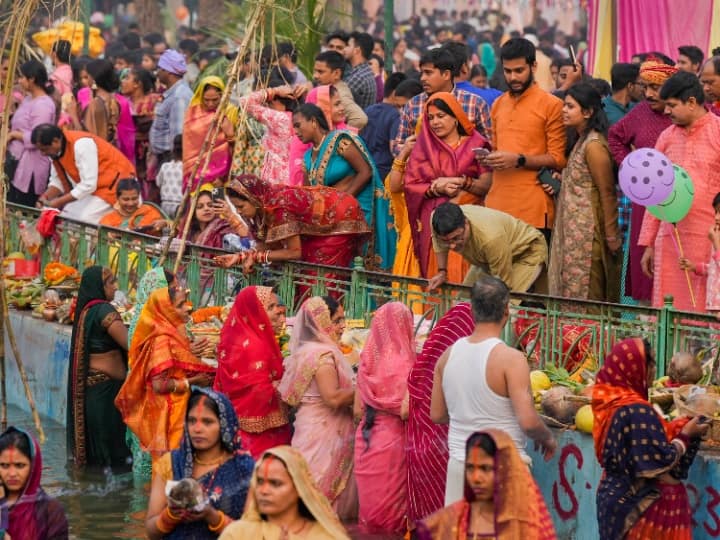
x: 97, y: 507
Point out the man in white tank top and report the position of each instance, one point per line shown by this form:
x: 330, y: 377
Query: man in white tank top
x: 482, y: 383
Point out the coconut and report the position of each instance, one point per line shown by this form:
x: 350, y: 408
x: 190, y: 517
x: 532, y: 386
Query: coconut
x: 555, y: 405
x: 704, y: 403
x: 685, y: 368
x: 186, y: 494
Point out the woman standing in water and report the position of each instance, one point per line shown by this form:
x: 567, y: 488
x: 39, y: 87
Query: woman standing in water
x: 211, y: 454
x: 98, y: 365
x: 30, y: 513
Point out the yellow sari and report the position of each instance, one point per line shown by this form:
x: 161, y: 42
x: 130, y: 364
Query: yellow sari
x: 252, y: 526
x: 405, y: 263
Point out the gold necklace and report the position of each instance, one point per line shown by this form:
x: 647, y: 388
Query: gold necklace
x: 316, y: 148
x: 210, y: 463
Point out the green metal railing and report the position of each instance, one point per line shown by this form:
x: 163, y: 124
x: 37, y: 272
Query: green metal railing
x: 550, y: 330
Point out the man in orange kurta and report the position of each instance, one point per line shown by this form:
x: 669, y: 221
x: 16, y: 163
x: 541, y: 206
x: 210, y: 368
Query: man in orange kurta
x: 693, y: 142
x: 528, y: 134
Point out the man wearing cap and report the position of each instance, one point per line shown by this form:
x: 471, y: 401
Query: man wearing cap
x: 170, y: 112
x: 640, y: 128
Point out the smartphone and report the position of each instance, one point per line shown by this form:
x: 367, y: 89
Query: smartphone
x: 481, y: 152
x: 218, y: 194
x: 545, y: 177
x: 571, y: 50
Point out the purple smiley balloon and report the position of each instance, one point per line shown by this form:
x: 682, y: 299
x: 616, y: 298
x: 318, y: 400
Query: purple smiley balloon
x: 646, y: 176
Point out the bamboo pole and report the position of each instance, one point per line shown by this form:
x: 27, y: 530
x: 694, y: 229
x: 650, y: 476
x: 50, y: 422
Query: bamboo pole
x: 210, y: 138
x: 14, y: 33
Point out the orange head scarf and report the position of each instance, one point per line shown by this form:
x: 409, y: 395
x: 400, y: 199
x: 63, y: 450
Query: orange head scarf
x: 520, y: 511
x: 451, y: 101
x: 656, y: 72
x: 159, y: 346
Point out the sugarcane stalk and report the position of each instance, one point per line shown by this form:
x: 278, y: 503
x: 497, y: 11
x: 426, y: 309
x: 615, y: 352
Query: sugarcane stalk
x: 211, y: 137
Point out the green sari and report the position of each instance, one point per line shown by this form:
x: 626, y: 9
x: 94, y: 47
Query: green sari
x: 95, y: 428
x: 330, y: 167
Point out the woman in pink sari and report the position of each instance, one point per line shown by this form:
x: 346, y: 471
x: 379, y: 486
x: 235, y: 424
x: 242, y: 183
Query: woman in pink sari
x: 215, y: 164
x: 318, y: 381
x: 381, y: 400
x: 442, y: 167
x: 328, y: 99
x: 427, y: 451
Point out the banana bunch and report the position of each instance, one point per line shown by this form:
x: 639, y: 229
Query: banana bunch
x: 23, y: 294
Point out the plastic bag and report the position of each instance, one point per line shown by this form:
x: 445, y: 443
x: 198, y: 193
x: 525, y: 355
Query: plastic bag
x: 30, y: 237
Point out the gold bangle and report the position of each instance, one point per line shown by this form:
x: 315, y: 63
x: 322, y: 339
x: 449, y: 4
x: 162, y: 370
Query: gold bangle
x: 172, y: 516
x: 219, y: 526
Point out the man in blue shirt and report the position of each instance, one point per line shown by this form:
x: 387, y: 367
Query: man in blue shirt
x: 384, y: 118
x: 170, y: 112
x: 627, y: 90
x: 461, y: 54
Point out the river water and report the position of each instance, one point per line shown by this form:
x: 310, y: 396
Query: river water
x: 97, y: 507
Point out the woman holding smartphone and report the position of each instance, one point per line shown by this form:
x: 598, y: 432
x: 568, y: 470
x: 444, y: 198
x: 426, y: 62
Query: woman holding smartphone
x: 585, y: 251
x: 444, y: 165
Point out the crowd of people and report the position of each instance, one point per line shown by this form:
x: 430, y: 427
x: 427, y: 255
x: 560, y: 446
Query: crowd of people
x: 126, y: 140
x: 300, y: 445
x: 427, y: 172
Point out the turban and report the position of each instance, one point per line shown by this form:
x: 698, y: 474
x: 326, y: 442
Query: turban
x: 172, y: 62
x: 656, y: 72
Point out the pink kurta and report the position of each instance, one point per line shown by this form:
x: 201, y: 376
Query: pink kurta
x: 640, y: 128
x: 697, y: 150
x: 278, y: 132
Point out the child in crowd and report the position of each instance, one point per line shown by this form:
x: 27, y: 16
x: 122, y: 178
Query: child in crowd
x: 710, y: 269
x: 169, y: 180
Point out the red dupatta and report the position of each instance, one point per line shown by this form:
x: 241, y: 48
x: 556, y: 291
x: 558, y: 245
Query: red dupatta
x: 622, y: 381
x: 250, y: 362
x: 286, y: 211
x: 432, y: 158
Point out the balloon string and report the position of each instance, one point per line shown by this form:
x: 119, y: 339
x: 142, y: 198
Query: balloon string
x: 682, y: 256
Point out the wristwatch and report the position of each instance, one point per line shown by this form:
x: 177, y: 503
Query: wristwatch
x: 521, y: 161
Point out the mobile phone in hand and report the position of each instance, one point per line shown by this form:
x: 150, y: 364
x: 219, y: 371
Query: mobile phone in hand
x: 218, y: 194
x: 481, y: 152
x: 571, y: 51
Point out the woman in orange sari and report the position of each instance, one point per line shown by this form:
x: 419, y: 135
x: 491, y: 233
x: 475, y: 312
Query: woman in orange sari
x: 502, y: 500
x: 215, y: 165
x: 129, y: 212
x: 250, y: 365
x: 163, y: 366
x: 644, y: 459
x: 442, y: 167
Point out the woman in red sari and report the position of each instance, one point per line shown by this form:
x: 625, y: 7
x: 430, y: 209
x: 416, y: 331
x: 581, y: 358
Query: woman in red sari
x: 442, y: 167
x: 427, y: 450
x: 645, y: 459
x: 28, y: 512
x: 317, y: 225
x: 502, y: 500
x: 250, y: 365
